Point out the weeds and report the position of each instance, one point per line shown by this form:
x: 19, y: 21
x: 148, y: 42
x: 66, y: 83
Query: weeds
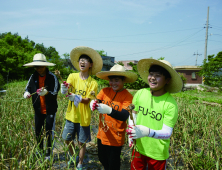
x: 196, y: 142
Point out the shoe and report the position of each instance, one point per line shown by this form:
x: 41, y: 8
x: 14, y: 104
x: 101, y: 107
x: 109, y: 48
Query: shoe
x: 79, y: 168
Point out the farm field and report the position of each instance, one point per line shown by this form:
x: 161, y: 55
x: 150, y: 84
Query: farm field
x: 196, y: 142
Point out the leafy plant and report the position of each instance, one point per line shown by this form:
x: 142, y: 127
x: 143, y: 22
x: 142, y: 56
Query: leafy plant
x: 212, y: 71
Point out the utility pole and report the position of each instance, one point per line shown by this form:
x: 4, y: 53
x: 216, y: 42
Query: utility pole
x: 205, y: 53
x: 196, y: 57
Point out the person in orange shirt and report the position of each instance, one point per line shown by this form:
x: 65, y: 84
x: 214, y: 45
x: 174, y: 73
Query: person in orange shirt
x: 112, y: 106
x: 44, y: 87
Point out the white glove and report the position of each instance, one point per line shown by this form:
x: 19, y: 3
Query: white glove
x: 42, y: 92
x: 104, y: 109
x: 93, y: 104
x: 71, y: 96
x: 27, y: 95
x: 138, y: 131
x: 64, y: 87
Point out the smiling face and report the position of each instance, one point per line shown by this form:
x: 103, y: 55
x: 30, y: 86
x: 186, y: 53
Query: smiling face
x: 157, y: 82
x: 116, y: 83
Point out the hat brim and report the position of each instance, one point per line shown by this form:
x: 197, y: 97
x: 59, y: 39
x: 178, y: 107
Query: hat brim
x: 175, y: 85
x: 130, y: 77
x: 32, y: 64
x: 94, y: 55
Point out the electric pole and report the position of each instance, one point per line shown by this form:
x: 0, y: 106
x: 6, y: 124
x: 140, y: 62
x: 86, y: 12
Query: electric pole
x: 196, y: 57
x: 205, y: 53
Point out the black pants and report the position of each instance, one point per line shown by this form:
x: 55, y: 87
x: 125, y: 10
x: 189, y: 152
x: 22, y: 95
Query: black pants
x: 40, y: 120
x: 109, y: 156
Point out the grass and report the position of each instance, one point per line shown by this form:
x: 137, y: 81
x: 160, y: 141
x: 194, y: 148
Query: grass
x: 196, y: 142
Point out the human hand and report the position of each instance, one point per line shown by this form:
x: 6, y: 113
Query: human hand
x: 138, y: 131
x: 64, y: 87
x: 27, y: 95
x: 42, y: 91
x: 71, y: 96
x: 104, y: 109
x: 93, y: 105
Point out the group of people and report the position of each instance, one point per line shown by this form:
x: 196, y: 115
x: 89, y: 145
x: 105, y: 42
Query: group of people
x: 153, y: 110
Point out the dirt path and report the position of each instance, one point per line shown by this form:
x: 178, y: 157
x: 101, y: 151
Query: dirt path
x: 91, y: 161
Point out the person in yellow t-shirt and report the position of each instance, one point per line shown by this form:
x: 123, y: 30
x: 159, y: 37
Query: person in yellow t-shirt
x: 78, y: 114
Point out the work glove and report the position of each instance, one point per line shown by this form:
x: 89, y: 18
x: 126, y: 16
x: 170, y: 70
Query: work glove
x: 27, y: 95
x: 64, y: 87
x: 104, y: 109
x: 93, y: 105
x: 71, y: 96
x: 42, y: 91
x: 138, y: 131
x: 130, y: 140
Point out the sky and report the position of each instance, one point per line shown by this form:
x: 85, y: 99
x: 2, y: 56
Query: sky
x: 124, y: 29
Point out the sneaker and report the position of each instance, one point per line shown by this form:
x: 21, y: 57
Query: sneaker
x: 79, y: 168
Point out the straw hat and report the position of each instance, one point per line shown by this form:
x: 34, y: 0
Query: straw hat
x: 39, y: 60
x: 118, y: 70
x: 94, y: 55
x: 175, y: 85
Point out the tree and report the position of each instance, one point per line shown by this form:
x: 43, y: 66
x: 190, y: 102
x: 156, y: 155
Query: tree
x: 15, y: 52
x: 212, y: 71
x: 120, y: 63
x: 101, y: 52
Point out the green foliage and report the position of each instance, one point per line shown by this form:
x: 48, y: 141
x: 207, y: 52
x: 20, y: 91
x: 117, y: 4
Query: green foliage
x: 15, y: 52
x: 139, y: 83
x: 101, y: 82
x: 184, y: 79
x: 120, y: 63
x: 2, y: 82
x: 195, y: 142
x: 212, y: 71
x: 101, y: 52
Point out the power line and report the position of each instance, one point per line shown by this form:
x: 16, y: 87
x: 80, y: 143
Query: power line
x: 165, y: 47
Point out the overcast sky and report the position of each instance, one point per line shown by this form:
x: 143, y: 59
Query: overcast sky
x: 124, y: 29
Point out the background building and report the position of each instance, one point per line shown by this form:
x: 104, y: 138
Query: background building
x: 190, y: 72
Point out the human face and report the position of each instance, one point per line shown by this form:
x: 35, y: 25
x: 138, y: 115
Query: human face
x: 116, y: 84
x: 157, y: 81
x: 41, y: 70
x: 84, y: 65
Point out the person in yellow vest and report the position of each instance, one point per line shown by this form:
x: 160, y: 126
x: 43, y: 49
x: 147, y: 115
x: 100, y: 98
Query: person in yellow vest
x: 78, y: 114
x: 46, y: 84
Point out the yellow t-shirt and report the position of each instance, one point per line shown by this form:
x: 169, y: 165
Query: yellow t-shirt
x: 82, y: 113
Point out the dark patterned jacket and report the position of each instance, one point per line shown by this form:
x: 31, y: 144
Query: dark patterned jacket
x: 52, y: 86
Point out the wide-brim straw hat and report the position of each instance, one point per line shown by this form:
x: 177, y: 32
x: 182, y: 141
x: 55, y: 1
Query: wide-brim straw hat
x: 94, y: 55
x: 118, y: 70
x: 39, y: 60
x: 175, y: 85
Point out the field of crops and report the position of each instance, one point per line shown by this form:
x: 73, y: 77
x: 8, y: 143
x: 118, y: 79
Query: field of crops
x: 196, y: 142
